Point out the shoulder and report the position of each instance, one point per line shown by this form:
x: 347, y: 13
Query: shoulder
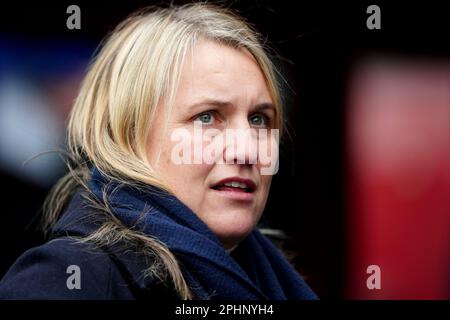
x: 64, y: 269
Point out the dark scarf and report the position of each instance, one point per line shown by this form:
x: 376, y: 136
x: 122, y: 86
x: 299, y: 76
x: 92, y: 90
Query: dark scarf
x: 209, y: 270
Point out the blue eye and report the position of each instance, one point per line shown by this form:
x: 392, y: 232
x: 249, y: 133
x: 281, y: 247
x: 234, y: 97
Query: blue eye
x: 205, y: 118
x: 259, y: 120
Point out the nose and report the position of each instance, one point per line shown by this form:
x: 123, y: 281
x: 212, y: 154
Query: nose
x: 241, y: 145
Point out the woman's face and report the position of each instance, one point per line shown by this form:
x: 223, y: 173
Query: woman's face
x: 222, y: 89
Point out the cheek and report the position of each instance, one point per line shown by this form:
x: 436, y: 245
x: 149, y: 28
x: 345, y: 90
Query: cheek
x: 186, y: 180
x: 265, y: 187
x: 268, y: 153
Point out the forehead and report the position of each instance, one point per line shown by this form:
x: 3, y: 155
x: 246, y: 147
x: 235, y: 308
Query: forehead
x: 213, y: 70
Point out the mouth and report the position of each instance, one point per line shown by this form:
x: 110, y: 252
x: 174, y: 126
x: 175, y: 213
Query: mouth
x: 235, y: 188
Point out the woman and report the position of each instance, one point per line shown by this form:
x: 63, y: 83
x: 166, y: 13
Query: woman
x: 153, y: 208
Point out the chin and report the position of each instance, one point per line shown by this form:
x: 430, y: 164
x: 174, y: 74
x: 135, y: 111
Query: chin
x: 231, y: 230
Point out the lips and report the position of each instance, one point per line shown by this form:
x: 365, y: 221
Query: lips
x: 236, y: 189
x: 235, y: 184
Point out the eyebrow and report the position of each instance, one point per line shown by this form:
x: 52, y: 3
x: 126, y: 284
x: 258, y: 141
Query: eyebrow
x: 220, y: 103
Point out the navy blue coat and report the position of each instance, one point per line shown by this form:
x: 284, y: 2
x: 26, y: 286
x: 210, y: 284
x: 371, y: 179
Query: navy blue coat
x: 42, y: 272
x: 65, y: 268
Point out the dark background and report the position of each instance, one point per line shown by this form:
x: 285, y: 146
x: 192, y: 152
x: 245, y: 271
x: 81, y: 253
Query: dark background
x: 317, y: 43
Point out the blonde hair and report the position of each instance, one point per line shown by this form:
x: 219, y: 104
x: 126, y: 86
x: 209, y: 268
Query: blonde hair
x: 137, y: 70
